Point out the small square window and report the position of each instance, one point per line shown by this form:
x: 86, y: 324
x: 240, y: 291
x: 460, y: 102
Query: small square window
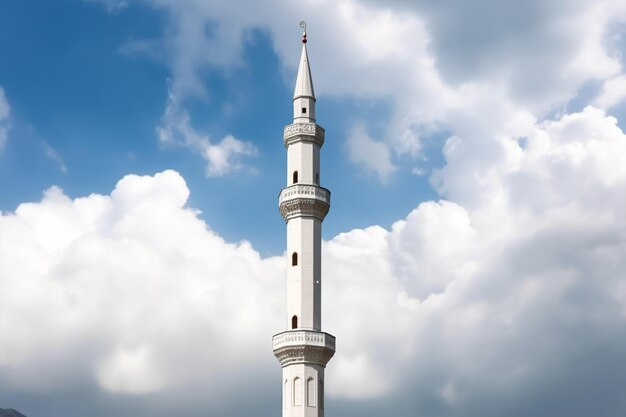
x: 304, y: 110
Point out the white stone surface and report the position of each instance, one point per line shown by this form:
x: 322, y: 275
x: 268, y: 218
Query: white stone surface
x: 304, y: 81
x: 303, y: 338
x: 303, y: 95
x: 304, y: 280
x: 304, y: 191
x: 308, y: 132
x: 304, y: 350
x: 303, y: 157
x: 303, y: 391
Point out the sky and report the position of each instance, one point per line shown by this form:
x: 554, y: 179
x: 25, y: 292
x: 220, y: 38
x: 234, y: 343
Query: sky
x: 474, y: 257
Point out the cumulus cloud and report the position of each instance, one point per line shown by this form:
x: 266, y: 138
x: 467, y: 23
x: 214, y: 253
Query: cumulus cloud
x: 519, y: 293
x: 222, y: 158
x: 4, y: 115
x: 613, y: 93
x: 577, y: 145
x: 500, y: 295
x: 108, y: 289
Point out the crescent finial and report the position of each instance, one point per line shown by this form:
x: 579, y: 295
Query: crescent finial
x: 303, y: 26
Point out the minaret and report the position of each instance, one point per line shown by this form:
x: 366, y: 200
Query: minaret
x: 303, y: 350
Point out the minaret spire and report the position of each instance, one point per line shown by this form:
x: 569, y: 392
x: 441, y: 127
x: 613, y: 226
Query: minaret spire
x: 304, y: 95
x: 303, y: 349
x: 304, y: 82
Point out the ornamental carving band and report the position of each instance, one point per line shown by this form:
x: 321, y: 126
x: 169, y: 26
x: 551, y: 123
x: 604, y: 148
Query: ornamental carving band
x: 304, y: 207
x: 306, y: 132
x: 316, y: 355
x: 296, y: 128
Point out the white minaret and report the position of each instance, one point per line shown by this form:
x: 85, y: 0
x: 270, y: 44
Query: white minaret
x: 303, y: 350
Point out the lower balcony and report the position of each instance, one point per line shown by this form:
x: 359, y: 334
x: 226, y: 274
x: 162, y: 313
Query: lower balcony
x: 303, y: 346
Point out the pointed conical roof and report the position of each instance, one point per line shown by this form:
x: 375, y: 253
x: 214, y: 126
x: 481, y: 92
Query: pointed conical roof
x: 304, y: 82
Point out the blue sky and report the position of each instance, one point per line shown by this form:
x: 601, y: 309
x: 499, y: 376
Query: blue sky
x: 84, y: 113
x: 473, y: 257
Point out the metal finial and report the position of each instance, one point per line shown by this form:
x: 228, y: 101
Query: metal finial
x: 303, y: 26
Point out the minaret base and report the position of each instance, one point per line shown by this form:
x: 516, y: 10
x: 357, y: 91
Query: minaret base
x: 303, y: 355
x: 303, y: 390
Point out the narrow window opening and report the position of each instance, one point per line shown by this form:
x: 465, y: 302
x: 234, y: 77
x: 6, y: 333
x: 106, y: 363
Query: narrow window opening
x: 310, y: 392
x: 295, y: 177
x: 297, y: 392
x: 304, y: 110
x: 294, y: 259
x: 294, y: 322
x: 320, y: 395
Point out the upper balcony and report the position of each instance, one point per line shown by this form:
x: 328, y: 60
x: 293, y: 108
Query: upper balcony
x: 304, y: 200
x: 304, y: 191
x: 309, y: 132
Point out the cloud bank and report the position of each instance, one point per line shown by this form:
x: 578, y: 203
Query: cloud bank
x: 518, y: 295
x: 505, y: 298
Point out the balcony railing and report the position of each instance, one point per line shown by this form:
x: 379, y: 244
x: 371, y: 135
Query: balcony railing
x: 304, y: 191
x: 303, y: 132
x: 303, y: 338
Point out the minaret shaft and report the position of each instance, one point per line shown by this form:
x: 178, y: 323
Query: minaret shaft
x: 304, y: 350
x: 304, y: 298
x: 303, y: 163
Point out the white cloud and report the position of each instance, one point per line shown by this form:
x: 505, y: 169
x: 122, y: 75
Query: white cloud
x: 222, y: 158
x: 434, y: 64
x: 521, y: 287
x: 129, y: 291
x: 455, y: 290
x: 5, y: 110
x: 613, y: 93
x: 374, y: 156
x: 130, y: 372
x: 513, y: 285
x: 566, y: 152
x: 211, y: 35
